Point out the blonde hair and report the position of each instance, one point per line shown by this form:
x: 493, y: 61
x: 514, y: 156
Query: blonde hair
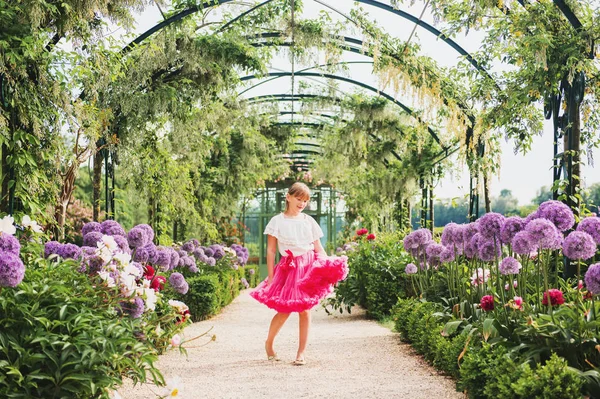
x: 298, y: 190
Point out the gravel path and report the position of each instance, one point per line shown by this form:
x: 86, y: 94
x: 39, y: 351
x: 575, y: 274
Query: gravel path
x: 347, y: 356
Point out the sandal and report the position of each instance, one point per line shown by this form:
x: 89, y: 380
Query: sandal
x: 299, y: 362
x: 273, y: 357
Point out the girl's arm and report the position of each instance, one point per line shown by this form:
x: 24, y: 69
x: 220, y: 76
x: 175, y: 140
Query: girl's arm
x: 271, y: 251
x: 319, y: 248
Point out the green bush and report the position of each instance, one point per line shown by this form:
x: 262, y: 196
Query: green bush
x: 60, y: 337
x: 203, y: 297
x: 553, y: 380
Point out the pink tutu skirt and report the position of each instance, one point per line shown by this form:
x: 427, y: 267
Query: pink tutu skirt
x: 300, y: 282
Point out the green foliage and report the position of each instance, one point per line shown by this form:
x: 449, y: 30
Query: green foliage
x: 60, y: 337
x: 552, y: 380
x: 376, y: 278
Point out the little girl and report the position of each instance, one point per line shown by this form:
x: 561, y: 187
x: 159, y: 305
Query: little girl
x: 303, y: 276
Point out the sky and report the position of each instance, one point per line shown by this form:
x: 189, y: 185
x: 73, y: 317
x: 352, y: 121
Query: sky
x: 522, y: 174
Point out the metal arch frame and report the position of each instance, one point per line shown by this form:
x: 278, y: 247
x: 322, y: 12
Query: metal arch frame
x: 212, y: 3
x: 445, y: 153
x: 357, y: 83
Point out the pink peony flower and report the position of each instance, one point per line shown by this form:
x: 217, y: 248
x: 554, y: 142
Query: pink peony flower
x: 176, y: 340
x: 517, y: 303
x: 361, y: 232
x: 371, y: 237
x: 487, y: 303
x: 556, y: 297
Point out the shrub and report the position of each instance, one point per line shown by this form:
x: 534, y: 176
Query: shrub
x: 204, y: 296
x: 61, y: 337
x: 553, y: 380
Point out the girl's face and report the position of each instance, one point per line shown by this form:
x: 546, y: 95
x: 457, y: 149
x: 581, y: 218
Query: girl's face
x: 296, y: 204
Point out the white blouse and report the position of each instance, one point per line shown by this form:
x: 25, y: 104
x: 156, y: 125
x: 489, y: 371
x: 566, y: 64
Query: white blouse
x: 294, y: 233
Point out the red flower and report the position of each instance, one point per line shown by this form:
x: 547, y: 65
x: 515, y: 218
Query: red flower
x: 158, y: 283
x: 487, y: 303
x: 371, y: 237
x: 556, y: 297
x: 361, y: 232
x: 148, y: 272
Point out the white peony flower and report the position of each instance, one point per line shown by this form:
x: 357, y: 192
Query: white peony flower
x: 123, y: 258
x: 7, y: 225
x: 107, y: 278
x: 108, y: 242
x: 131, y: 270
x: 178, y: 305
x: 31, y: 224
x: 173, y: 388
x: 128, y: 285
x: 151, y: 298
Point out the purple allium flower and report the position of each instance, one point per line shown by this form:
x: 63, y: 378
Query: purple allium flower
x: 12, y: 269
x: 112, y: 228
x: 137, y: 237
x: 9, y: 243
x: 346, y: 247
x: 69, y: 251
x: 211, y: 261
x: 543, y: 233
x: 579, y: 245
x: 139, y: 267
x: 591, y: 225
x: 244, y: 282
x: 530, y: 217
x: 193, y: 269
x: 488, y: 250
x: 162, y: 259
x: 176, y: 279
x: 509, y: 265
x: 188, y: 246
x: 592, y: 278
x: 149, y: 231
x: 411, y: 268
x: 209, y: 252
x: 195, y: 242
x: 252, y: 271
x: 123, y: 244
x: 417, y: 240
x: 189, y: 261
x: 93, y: 263
x: 511, y: 227
x: 434, y: 251
x: 51, y: 248
x: 558, y: 213
x: 89, y: 227
x: 181, y: 262
x: 452, y: 236
x: 141, y: 254
x: 183, y: 289
x: 472, y: 247
x: 447, y: 255
x: 197, y: 252
x: 92, y: 238
x: 241, y: 260
x: 522, y: 243
x: 134, y: 308
x: 88, y: 251
x: 182, y: 253
x: 490, y: 225
x: 469, y: 230
x: 174, y: 258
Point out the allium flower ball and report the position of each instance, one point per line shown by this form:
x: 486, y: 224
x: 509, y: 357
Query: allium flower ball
x: 579, y: 245
x: 411, y: 268
x: 434, y: 252
x: 472, y: 247
x: 469, y: 230
x: 480, y: 276
x: 592, y: 279
x: 543, y: 233
x: 558, y: 213
x: 244, y: 282
x: 137, y: 237
x: 509, y: 265
x: 251, y: 271
x: 182, y: 289
x: 12, y: 269
x: 134, y: 308
x: 211, y: 261
x: 487, y: 303
x: 162, y: 259
x: 123, y: 244
x: 209, y: 252
x: 149, y: 231
x: 522, y: 243
x: 591, y: 225
x: 452, y: 236
x: 556, y: 297
x: 9, y: 243
x: 417, y: 240
x: 92, y: 238
x: 511, y: 227
x: 174, y: 258
x: 371, y: 237
x: 112, y: 228
x: 89, y: 227
x: 69, y: 251
x: 188, y: 246
x: 193, y: 269
x: 490, y: 225
x: 176, y: 279
x: 488, y: 250
x: 361, y: 232
x: 51, y: 248
x: 219, y: 252
x: 447, y: 255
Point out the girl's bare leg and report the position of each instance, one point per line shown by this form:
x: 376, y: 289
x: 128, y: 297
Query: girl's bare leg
x: 304, y: 325
x: 278, y: 321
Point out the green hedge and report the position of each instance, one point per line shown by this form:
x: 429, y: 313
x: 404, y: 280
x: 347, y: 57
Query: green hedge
x: 214, y: 288
x: 485, y: 371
